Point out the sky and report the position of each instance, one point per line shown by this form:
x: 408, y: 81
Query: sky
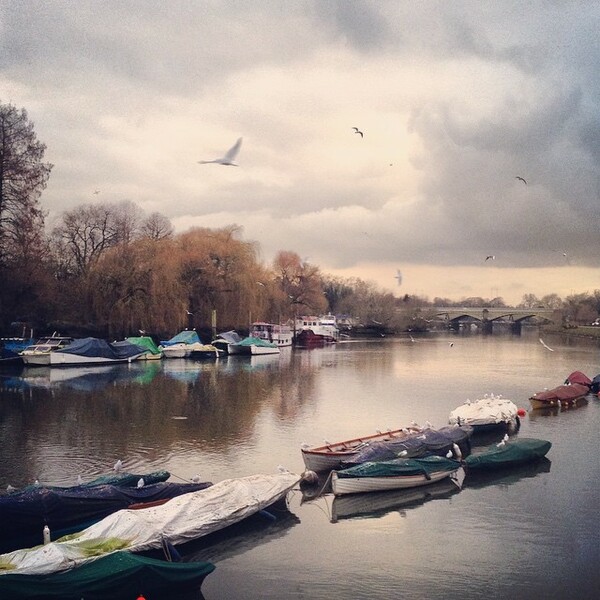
x: 455, y: 100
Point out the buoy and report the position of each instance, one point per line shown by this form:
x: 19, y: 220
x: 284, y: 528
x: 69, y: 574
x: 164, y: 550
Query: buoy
x: 46, y: 534
x: 140, y: 597
x: 521, y: 412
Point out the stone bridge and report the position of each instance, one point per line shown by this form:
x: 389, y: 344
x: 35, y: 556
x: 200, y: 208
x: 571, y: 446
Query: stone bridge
x: 454, y: 316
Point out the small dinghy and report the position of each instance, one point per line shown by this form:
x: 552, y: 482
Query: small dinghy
x: 394, y: 474
x: 508, y: 453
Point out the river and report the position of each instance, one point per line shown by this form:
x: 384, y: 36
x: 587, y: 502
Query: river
x: 529, y: 533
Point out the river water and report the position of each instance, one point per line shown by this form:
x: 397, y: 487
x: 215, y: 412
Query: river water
x: 530, y: 533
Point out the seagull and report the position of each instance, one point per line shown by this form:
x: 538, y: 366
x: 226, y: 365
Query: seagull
x: 142, y: 332
x: 412, y: 339
x: 449, y: 454
x: 357, y: 130
x: 10, y: 489
x: 260, y: 283
x: 545, y: 346
x: 399, y: 277
x: 521, y: 179
x: 490, y: 257
x: 228, y: 158
x: 118, y: 466
x: 451, y: 344
x: 96, y: 191
x: 505, y: 438
x: 189, y: 313
x: 140, y: 482
x: 196, y: 479
x: 79, y: 480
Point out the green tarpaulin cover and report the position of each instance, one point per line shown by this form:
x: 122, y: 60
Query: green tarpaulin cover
x: 401, y: 466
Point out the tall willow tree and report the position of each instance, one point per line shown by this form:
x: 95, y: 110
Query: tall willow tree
x: 23, y: 177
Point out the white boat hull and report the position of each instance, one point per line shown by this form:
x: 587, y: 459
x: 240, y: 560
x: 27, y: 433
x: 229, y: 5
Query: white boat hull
x: 356, y: 485
x: 64, y: 359
x: 38, y: 359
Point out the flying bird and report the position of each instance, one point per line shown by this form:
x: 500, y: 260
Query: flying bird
x: 96, y: 191
x: 189, y: 313
x: 399, y: 277
x: 521, y: 179
x: 228, y: 158
x: 490, y: 257
x: 357, y: 130
x: 545, y: 346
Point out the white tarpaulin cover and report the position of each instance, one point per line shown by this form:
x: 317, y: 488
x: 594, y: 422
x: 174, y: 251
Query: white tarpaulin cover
x: 489, y: 410
x: 179, y: 520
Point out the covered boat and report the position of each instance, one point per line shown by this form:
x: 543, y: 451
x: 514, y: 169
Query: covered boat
x: 65, y: 510
x: 595, y: 385
x: 120, y: 478
x: 253, y: 346
x: 153, y: 352
x: 454, y: 439
x: 332, y: 455
x: 94, y: 351
x: 508, y: 453
x: 579, y: 377
x: 185, y: 343
x: 489, y: 412
x: 224, y: 340
x: 562, y: 395
x: 182, y: 519
x: 119, y: 575
x: 393, y: 474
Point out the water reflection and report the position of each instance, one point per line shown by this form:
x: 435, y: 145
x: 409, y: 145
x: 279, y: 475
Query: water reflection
x: 507, y: 476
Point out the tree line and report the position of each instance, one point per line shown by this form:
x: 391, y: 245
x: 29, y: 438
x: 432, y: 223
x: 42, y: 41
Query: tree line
x: 111, y: 270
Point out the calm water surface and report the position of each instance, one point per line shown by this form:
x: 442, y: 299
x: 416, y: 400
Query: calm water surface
x: 532, y: 533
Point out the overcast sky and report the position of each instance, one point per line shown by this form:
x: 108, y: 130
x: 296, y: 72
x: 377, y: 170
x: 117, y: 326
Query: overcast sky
x: 455, y: 100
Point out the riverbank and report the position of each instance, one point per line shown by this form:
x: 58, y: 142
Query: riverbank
x: 586, y: 331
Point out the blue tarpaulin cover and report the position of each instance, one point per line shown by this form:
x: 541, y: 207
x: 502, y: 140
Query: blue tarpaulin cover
x: 100, y: 348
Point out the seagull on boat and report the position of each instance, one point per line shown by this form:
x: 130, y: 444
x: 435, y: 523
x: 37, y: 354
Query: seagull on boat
x: 228, y: 158
x: 449, y: 454
x: 118, y: 466
x: 196, y: 479
x: 545, y: 346
x: 521, y: 179
x: 357, y: 130
x: 140, y: 482
x: 79, y: 480
x: 10, y: 488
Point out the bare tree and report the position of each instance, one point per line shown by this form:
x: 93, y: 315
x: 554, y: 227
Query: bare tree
x: 156, y: 227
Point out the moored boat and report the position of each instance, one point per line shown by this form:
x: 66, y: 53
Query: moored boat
x: 153, y: 352
x: 393, y: 474
x: 224, y: 340
x: 316, y: 331
x: 508, y: 453
x: 253, y: 346
x: 450, y: 440
x: 94, y: 351
x: 489, y: 412
x: 66, y: 510
x: 119, y: 575
x: 280, y: 335
x: 180, y: 345
x: 331, y: 455
x: 38, y: 354
x: 562, y: 395
x: 182, y: 519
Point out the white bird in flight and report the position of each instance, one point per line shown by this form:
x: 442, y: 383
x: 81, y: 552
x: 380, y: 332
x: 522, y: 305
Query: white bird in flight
x: 490, y: 257
x: 228, y: 158
x: 545, y: 346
